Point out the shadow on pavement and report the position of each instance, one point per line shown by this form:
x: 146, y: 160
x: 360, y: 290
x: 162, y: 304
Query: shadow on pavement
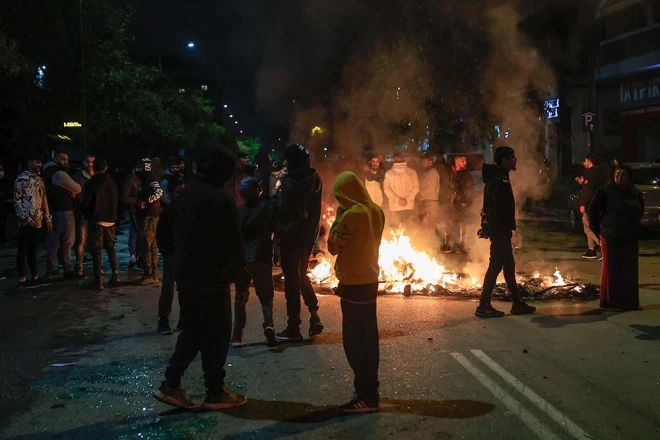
x: 651, y: 333
x: 561, y: 320
x: 333, y: 338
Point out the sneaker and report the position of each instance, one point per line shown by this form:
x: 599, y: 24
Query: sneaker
x: 114, y: 280
x: 600, y: 258
x: 237, y: 341
x: 40, y: 281
x: 146, y: 280
x: 228, y: 399
x: 96, y: 284
x: 522, y: 309
x: 164, y: 327
x: 53, y: 276
x: 590, y: 255
x: 460, y: 250
x: 357, y: 406
x: 174, y: 396
x: 315, y: 326
x: 290, y: 335
x: 445, y: 249
x: 28, y: 284
x: 488, y: 311
x: 271, y: 338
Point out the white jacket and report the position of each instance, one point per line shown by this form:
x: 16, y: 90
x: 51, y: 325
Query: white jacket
x: 401, y: 182
x: 375, y: 191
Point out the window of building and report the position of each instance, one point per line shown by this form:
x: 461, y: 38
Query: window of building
x: 205, y: 87
x: 626, y: 20
x: 182, y: 90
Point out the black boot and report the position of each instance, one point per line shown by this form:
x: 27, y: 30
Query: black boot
x: 97, y: 282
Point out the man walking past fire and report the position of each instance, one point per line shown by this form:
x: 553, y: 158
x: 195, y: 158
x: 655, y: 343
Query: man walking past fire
x: 355, y: 238
x: 498, y: 221
x: 300, y: 212
x: 209, y: 253
x: 148, y: 211
x: 99, y: 207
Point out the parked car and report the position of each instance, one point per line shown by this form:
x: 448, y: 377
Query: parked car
x: 646, y: 177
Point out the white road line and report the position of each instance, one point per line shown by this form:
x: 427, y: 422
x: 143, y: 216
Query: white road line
x: 537, y: 400
x: 529, y: 419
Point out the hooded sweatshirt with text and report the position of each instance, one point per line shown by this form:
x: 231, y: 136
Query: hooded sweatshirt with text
x: 356, y: 234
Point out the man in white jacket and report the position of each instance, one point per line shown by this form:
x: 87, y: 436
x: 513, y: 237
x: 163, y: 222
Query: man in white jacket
x: 401, y: 186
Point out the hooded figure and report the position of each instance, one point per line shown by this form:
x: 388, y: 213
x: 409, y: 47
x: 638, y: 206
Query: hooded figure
x: 208, y: 252
x: 300, y: 212
x: 356, y: 233
x: 499, y: 209
x: 355, y: 238
x: 401, y: 183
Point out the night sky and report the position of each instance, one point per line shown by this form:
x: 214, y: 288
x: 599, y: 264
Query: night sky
x: 263, y: 53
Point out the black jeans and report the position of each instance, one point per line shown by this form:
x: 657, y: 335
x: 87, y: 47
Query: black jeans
x: 207, y: 331
x: 28, y: 240
x: 295, y: 261
x: 501, y: 259
x: 167, y: 289
x: 262, y: 275
x: 361, y: 344
x: 99, y: 238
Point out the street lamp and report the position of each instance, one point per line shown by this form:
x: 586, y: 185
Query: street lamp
x: 225, y: 106
x: 191, y: 45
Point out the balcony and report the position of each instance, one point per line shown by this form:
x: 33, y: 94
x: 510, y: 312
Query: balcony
x: 629, y: 53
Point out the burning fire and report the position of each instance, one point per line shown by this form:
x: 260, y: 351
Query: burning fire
x: 401, y: 265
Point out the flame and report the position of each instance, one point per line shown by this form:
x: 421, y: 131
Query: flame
x: 402, y: 265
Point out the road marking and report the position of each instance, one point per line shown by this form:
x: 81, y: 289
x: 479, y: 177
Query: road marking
x: 537, y: 400
x: 529, y: 419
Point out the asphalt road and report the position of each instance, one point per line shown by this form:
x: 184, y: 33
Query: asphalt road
x: 569, y: 371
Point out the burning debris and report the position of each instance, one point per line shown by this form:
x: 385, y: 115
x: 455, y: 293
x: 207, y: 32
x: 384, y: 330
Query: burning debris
x: 410, y: 272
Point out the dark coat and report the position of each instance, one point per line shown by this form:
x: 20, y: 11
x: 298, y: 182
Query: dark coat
x: 616, y: 214
x: 462, y: 186
x: 165, y: 232
x: 300, y: 207
x: 99, y: 200
x: 208, y: 245
x: 499, y: 210
x: 257, y: 225
x: 595, y: 178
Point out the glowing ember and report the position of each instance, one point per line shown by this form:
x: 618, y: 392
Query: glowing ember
x: 403, y: 269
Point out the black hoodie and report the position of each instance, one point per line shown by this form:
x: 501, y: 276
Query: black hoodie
x: 499, y: 204
x: 300, y: 207
x: 99, y: 199
x: 262, y: 160
x: 208, y: 246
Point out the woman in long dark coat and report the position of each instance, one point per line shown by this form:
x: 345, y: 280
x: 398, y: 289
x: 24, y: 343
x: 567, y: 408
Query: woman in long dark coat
x: 615, y: 213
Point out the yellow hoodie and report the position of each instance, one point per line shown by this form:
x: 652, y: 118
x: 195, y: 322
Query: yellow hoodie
x: 356, y: 233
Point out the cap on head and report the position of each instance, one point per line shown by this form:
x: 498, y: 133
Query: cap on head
x: 296, y: 155
x: 145, y: 164
x: 242, y: 155
x: 276, y: 166
x: 502, y: 153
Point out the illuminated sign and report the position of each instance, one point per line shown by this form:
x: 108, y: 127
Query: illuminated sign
x: 551, y: 107
x: 72, y: 125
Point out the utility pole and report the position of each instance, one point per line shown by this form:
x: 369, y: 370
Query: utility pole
x: 83, y: 84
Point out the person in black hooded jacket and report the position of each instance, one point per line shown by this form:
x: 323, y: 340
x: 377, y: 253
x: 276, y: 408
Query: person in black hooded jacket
x: 208, y: 252
x: 300, y: 213
x: 99, y: 207
x: 498, y: 221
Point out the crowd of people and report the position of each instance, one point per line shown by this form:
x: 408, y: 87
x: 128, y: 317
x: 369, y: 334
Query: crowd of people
x: 229, y: 221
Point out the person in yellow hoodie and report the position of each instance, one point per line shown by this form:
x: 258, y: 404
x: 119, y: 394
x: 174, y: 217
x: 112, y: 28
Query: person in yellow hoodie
x: 355, y: 238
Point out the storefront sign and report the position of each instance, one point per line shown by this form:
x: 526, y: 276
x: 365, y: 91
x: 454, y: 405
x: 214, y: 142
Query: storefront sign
x: 72, y: 125
x: 640, y: 91
x: 642, y: 111
x: 551, y: 107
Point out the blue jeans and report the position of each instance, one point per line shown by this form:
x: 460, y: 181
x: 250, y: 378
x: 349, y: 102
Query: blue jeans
x: 61, y: 239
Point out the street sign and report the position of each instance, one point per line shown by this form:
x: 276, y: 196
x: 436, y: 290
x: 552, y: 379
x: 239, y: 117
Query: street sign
x: 589, y: 122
